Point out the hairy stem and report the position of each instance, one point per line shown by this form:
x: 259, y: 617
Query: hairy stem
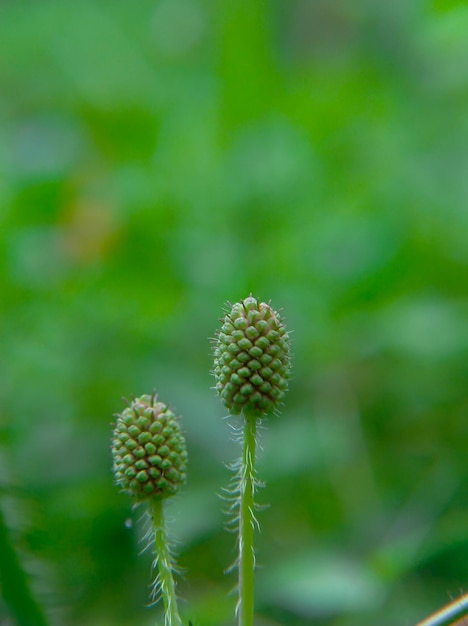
x: 246, y: 524
x: 454, y: 614
x: 163, y: 561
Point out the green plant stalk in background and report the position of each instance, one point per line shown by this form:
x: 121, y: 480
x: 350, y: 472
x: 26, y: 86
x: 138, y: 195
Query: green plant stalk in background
x: 164, y: 564
x: 247, y: 523
x: 14, y: 585
x: 451, y: 615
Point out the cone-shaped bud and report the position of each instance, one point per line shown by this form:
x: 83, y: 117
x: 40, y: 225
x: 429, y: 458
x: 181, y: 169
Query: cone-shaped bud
x: 252, y: 359
x: 148, y: 450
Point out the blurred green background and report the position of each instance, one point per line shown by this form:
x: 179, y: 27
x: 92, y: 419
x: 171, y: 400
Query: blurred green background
x: 161, y: 157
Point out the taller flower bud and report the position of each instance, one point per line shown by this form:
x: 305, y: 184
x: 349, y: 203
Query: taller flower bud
x: 252, y: 359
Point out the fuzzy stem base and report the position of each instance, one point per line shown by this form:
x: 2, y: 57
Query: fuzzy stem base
x: 163, y: 561
x: 247, y: 523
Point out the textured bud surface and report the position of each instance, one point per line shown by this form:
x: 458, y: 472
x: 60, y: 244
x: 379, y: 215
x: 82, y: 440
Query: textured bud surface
x: 148, y: 450
x: 252, y: 359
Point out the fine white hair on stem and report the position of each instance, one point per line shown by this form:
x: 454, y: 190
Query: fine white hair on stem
x: 155, y: 539
x: 163, y: 585
x: 233, y: 495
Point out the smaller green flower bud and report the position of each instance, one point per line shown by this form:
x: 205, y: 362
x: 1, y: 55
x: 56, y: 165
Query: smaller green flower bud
x: 251, y: 358
x: 148, y: 450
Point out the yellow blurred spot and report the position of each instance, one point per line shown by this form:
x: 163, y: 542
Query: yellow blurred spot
x: 90, y: 231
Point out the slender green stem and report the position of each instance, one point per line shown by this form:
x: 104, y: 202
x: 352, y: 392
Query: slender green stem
x: 163, y: 561
x: 246, y: 524
x: 450, y: 615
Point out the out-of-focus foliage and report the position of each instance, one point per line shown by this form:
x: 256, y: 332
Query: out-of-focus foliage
x: 161, y: 157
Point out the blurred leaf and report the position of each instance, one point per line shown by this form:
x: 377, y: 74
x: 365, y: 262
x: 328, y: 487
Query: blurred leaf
x: 320, y: 583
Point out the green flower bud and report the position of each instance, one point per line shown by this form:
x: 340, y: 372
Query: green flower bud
x: 148, y: 449
x: 251, y: 358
